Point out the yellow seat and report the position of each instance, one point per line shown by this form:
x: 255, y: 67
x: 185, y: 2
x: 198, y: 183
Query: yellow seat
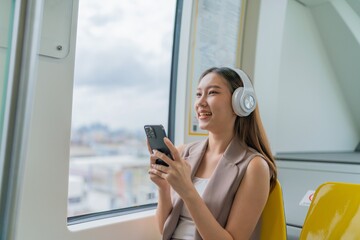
x: 334, y: 213
x: 273, y: 225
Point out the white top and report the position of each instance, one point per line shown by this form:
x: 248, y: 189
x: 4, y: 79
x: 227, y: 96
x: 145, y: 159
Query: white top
x: 186, y: 228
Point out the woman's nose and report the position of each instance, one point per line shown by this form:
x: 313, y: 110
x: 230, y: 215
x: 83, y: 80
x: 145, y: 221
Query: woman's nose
x: 202, y: 102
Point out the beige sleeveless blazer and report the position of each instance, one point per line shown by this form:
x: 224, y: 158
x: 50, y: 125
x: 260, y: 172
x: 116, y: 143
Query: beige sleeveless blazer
x: 222, y: 186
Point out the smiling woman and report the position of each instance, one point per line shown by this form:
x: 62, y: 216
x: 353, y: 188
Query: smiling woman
x: 79, y: 79
x: 123, y: 50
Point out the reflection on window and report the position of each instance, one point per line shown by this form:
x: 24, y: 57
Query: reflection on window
x: 122, y: 79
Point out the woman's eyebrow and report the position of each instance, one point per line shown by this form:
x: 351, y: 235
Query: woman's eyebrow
x: 210, y: 86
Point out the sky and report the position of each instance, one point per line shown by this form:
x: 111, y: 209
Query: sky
x: 122, y: 63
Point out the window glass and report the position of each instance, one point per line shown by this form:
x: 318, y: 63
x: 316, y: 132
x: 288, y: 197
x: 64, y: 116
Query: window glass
x: 6, y: 12
x: 122, y: 82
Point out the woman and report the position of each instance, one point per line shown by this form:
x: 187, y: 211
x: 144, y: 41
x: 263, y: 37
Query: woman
x: 217, y: 188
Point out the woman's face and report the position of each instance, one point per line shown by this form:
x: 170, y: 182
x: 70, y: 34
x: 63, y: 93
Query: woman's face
x: 213, y: 104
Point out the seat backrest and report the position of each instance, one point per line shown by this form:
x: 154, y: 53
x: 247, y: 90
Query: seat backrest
x: 273, y: 225
x: 334, y: 212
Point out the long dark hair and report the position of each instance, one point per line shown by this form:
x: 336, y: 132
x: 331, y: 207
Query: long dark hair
x: 248, y: 129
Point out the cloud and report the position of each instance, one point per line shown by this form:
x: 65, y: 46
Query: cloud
x: 123, y: 61
x: 123, y: 44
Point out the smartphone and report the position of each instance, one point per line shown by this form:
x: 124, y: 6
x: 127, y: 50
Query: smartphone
x: 155, y: 135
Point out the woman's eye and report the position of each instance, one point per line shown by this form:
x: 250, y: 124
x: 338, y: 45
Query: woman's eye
x: 212, y: 92
x: 198, y: 95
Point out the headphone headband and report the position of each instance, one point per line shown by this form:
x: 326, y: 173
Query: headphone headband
x: 244, y: 78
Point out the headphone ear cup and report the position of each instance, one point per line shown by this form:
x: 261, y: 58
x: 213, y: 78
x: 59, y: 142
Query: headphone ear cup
x: 243, y: 102
x: 236, y: 101
x: 243, y: 98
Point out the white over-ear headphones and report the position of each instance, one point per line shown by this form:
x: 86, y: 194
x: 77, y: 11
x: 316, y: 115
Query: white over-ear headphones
x: 243, y: 98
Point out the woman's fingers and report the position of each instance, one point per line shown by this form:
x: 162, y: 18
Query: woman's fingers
x: 156, y: 173
x: 153, y: 158
x: 158, y: 170
x: 163, y: 157
x: 172, y: 148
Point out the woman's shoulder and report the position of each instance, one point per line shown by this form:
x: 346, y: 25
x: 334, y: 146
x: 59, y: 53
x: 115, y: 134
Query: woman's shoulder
x: 258, y: 163
x: 253, y: 153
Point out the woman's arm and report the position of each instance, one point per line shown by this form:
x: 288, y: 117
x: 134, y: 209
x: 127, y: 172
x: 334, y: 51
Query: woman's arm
x: 164, y: 207
x: 246, y: 210
x: 250, y: 199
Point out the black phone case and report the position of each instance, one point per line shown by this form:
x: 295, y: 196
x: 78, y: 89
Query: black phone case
x: 155, y: 135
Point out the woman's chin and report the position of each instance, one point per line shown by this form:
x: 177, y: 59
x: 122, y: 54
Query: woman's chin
x: 203, y: 126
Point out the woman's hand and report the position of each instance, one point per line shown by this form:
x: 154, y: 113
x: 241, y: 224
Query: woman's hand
x: 159, y: 181
x: 164, y: 206
x: 178, y: 174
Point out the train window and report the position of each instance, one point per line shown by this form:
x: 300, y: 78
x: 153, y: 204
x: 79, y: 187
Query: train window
x: 4, y: 53
x: 122, y: 82
x: 6, y: 23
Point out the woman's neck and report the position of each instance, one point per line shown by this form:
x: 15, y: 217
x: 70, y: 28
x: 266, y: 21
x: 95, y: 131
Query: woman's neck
x: 219, y: 142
